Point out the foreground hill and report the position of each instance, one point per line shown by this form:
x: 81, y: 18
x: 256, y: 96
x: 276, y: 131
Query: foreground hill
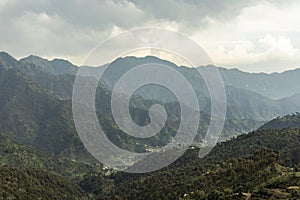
x: 15, y: 155
x: 259, y: 175
x: 256, y: 165
x: 260, y: 165
x: 36, y: 184
x: 286, y: 141
x: 286, y: 122
x: 36, y: 117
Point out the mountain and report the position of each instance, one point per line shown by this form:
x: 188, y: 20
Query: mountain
x: 61, y: 85
x: 36, y: 184
x: 16, y: 155
x: 7, y: 61
x: 260, y: 83
x: 275, y: 85
x: 286, y: 141
x: 242, y: 103
x: 246, y: 110
x: 56, y: 66
x: 291, y: 121
x: 37, y: 117
x: 41, y: 153
x: 250, y: 105
x: 259, y: 175
x: 257, y: 164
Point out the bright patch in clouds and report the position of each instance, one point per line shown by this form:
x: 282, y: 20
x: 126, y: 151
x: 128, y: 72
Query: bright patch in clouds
x: 262, y: 38
x: 268, y: 17
x: 267, y: 54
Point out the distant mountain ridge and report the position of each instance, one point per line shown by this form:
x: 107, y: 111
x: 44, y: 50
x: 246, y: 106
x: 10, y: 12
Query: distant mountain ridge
x: 246, y: 110
x: 56, y: 66
x: 274, y: 85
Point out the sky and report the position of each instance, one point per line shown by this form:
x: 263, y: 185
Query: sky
x: 253, y: 36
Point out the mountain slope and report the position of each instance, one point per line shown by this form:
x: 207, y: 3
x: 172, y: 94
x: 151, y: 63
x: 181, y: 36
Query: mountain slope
x: 260, y: 175
x: 37, y: 117
x: 256, y: 164
x: 286, y: 141
x: 275, y: 85
x: 36, y: 184
x: 15, y: 155
x: 56, y: 66
x: 242, y: 103
x: 286, y: 122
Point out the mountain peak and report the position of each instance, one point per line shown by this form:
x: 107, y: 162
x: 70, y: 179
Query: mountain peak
x: 33, y: 59
x: 62, y: 61
x: 133, y: 60
x: 7, y: 61
x: 55, y: 66
x: 5, y: 55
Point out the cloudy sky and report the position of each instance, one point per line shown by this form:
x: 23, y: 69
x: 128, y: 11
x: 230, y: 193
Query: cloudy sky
x: 256, y: 35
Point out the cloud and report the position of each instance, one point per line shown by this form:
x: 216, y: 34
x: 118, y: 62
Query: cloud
x: 267, y: 54
x: 269, y: 17
x: 280, y: 47
x: 3, y: 4
x: 46, y: 35
x: 71, y: 28
x: 96, y: 14
x: 62, y: 28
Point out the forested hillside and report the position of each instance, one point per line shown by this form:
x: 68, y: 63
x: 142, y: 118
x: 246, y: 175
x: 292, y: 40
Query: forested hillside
x: 258, y: 165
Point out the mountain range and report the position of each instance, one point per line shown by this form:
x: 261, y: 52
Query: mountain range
x: 39, y: 146
x: 247, y: 108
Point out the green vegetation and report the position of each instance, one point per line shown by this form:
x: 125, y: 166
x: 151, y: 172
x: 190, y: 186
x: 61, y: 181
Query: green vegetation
x: 233, y: 170
x: 20, y: 156
x: 287, y: 122
x: 36, y: 184
x: 286, y: 141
